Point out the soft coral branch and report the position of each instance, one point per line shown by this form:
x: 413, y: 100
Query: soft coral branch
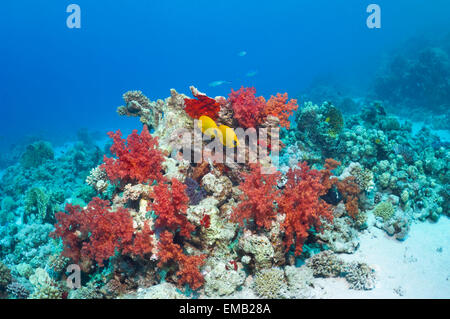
x: 248, y: 109
x: 138, y: 158
x: 280, y: 107
x: 201, y: 105
x: 188, y: 265
x: 97, y: 232
x: 259, y: 194
x: 170, y: 205
x: 302, y: 205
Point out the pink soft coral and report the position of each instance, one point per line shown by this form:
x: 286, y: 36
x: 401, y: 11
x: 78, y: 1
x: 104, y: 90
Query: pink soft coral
x: 97, y: 232
x: 259, y: 194
x: 138, y: 158
x: 280, y: 107
x: 170, y: 205
x: 302, y: 205
x: 248, y: 109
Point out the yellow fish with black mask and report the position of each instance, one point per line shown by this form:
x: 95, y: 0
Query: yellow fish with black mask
x: 226, y: 134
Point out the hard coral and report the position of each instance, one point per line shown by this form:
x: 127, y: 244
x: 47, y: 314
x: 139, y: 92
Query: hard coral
x: 248, y: 109
x: 5, y: 276
x: 138, y: 158
x: 280, y: 107
x: 258, y: 199
x: 97, y: 232
x: 334, y: 119
x: 201, y: 105
x: 170, y: 205
x: 302, y: 205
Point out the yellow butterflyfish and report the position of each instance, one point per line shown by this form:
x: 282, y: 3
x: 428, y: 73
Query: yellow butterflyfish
x: 207, y: 126
x: 228, y: 136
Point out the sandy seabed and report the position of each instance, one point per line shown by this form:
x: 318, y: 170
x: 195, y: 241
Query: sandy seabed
x: 418, y: 267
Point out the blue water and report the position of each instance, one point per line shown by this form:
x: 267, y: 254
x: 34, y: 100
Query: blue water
x: 56, y: 79
x: 386, y: 120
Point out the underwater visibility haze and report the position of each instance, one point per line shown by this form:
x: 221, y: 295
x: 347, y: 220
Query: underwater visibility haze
x: 224, y: 149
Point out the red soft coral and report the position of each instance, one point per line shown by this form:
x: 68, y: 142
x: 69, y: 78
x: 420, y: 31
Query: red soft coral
x: 142, y: 243
x: 189, y: 270
x: 170, y: 205
x: 138, y: 158
x: 280, y: 107
x: 302, y: 205
x: 97, y: 232
x: 201, y: 105
x: 188, y: 265
x: 247, y: 108
x: 167, y: 249
x: 258, y: 199
x: 349, y: 190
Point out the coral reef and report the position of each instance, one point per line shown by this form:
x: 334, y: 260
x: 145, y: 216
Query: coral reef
x: 147, y: 222
x: 36, y: 154
x: 44, y: 286
x: 422, y: 79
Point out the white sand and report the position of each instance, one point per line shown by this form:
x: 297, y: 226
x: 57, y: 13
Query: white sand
x: 418, y: 267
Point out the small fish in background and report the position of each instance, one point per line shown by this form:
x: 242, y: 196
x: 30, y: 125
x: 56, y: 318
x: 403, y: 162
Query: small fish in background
x: 251, y: 74
x: 242, y: 53
x: 218, y: 83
